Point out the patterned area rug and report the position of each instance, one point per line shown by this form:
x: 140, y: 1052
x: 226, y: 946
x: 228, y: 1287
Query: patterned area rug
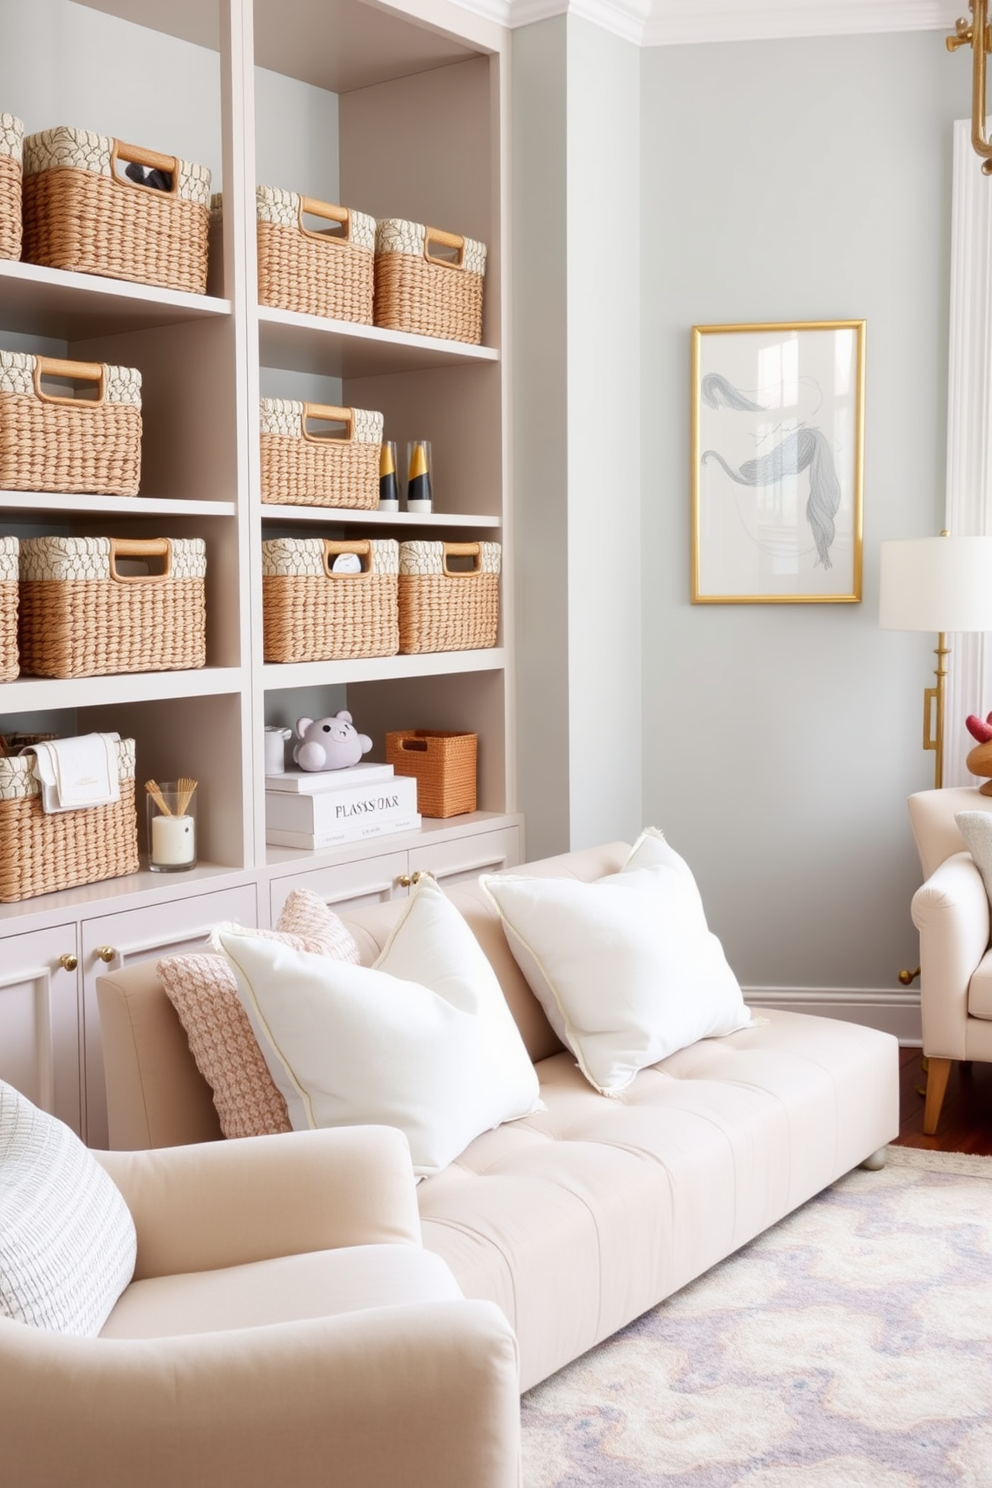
x: 848, y: 1347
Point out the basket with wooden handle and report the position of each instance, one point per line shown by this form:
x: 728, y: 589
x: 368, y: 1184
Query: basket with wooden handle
x: 317, y: 454
x: 8, y: 608
x: 444, y: 765
x: 312, y: 611
x: 327, y: 269
x: 11, y: 150
x: 87, y: 440
x: 84, y: 212
x: 95, y: 605
x: 42, y: 852
x: 448, y: 596
x: 428, y: 282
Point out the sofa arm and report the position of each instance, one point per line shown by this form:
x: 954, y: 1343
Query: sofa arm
x: 423, y: 1395
x: 951, y: 912
x: 216, y: 1204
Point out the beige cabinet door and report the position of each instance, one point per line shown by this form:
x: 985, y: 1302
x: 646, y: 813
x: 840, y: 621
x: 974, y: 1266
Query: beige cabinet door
x: 40, y: 1020
x: 464, y: 858
x: 374, y: 880
x: 345, y: 886
x: 115, y: 940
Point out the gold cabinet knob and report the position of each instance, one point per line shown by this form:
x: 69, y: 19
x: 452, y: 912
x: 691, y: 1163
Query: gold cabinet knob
x: 105, y: 953
x: 407, y: 880
x: 68, y: 962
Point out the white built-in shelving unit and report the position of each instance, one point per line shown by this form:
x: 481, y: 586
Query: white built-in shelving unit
x: 410, y: 107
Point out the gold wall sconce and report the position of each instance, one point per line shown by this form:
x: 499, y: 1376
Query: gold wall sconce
x: 975, y: 33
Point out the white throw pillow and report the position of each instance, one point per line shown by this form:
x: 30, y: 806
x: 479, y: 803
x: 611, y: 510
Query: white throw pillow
x: 624, y: 967
x: 423, y: 1040
x: 67, y: 1241
x: 976, y: 829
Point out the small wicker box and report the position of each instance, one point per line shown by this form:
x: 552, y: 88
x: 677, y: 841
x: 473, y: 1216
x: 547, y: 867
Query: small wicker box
x: 444, y: 765
x: 428, y: 282
x: 93, y: 605
x: 8, y: 608
x: 40, y: 853
x: 11, y: 149
x: 311, y: 613
x: 328, y: 272
x: 53, y: 442
x: 81, y: 212
x: 334, y: 466
x: 443, y: 605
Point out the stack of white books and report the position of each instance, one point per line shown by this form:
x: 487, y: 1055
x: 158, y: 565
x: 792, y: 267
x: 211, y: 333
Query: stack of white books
x: 324, y: 808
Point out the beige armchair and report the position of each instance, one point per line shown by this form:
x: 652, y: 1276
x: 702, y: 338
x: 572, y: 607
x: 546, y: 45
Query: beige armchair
x: 284, y: 1325
x: 951, y: 912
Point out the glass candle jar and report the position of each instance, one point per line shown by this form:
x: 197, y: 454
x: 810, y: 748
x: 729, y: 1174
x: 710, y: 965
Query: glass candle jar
x: 171, y: 833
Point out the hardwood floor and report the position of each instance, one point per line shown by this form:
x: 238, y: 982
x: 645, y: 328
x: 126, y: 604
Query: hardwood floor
x: 966, y: 1118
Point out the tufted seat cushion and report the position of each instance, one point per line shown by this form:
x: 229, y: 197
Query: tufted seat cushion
x: 578, y: 1218
x: 281, y: 1289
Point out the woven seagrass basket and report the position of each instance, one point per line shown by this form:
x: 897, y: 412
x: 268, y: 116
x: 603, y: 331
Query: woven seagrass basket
x: 428, y: 282
x: 443, y: 764
x: 8, y: 608
x: 81, y: 212
x: 448, y: 596
x: 11, y: 146
x: 94, y: 605
x: 327, y: 271
x: 337, y: 465
x: 53, y: 442
x: 41, y: 853
x: 312, y: 613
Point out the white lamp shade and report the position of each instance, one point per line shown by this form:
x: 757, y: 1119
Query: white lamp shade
x: 936, y: 584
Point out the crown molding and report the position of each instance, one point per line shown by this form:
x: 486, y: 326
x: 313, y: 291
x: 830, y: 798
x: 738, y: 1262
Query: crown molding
x: 678, y: 22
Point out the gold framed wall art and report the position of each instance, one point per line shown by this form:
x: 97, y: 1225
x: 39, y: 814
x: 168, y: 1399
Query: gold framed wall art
x: 777, y: 462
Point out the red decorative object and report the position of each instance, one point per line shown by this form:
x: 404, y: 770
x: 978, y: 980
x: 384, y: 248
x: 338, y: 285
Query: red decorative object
x: 979, y: 760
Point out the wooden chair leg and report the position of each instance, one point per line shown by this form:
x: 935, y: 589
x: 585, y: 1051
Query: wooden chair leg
x: 938, y: 1071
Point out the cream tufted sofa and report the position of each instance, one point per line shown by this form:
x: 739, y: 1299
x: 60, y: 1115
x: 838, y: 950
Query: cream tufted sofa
x: 577, y: 1219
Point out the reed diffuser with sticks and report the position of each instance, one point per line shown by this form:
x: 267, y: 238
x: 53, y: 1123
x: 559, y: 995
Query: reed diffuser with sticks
x: 171, y: 825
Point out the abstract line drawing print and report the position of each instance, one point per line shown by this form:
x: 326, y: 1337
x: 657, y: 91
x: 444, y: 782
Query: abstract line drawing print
x: 799, y: 449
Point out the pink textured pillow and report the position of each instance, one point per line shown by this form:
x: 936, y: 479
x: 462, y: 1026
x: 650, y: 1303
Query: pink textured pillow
x: 308, y: 918
x: 202, y: 990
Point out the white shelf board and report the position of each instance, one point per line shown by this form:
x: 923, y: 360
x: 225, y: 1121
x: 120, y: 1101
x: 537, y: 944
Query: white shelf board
x: 34, y: 694
x: 432, y: 830
x: 123, y: 506
x: 332, y: 44
x: 328, y: 514
x: 131, y: 891
x: 70, y: 307
x: 341, y: 348
x: 278, y: 675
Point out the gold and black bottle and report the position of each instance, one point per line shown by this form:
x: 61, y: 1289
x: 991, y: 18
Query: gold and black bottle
x: 418, y: 486
x: 389, y: 486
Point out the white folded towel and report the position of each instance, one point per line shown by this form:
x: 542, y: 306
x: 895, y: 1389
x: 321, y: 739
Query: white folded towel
x: 77, y: 772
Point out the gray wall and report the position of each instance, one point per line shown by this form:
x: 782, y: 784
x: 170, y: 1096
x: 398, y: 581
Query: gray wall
x: 96, y: 72
x: 576, y: 401
x: 796, y: 180
x: 604, y: 404
x: 540, y: 424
